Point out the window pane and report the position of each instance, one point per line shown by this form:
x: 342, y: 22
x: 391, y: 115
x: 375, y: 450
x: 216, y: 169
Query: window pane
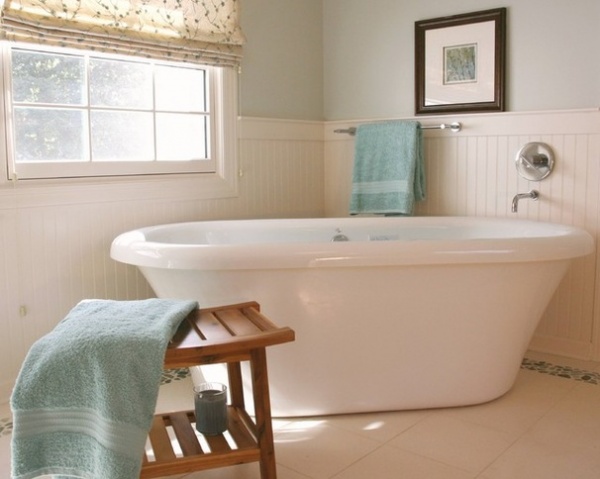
x: 43, y: 134
x: 122, y: 136
x: 69, y: 110
x: 47, y: 78
x: 180, y: 89
x: 180, y: 137
x: 120, y: 84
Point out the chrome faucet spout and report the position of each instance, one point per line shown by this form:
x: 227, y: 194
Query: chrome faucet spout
x: 533, y: 194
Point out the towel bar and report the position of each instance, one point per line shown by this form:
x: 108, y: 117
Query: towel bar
x: 454, y: 126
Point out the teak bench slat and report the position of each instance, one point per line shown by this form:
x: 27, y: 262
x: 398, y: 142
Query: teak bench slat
x: 227, y: 334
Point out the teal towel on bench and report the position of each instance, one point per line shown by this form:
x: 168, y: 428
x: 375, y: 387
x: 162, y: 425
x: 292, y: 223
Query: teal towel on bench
x: 85, y: 396
x: 389, y: 173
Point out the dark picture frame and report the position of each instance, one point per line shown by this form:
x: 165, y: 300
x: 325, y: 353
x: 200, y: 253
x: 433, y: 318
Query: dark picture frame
x: 460, y: 63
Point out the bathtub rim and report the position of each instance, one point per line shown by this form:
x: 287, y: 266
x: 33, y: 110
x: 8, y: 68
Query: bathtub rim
x: 567, y: 242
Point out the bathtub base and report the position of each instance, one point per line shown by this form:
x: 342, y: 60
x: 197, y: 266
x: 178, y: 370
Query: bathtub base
x: 407, y: 338
x: 410, y: 313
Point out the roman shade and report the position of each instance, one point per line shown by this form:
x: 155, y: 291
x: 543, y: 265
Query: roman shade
x: 196, y: 31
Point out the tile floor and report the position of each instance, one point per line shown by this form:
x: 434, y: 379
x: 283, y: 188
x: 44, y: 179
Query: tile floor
x: 546, y: 427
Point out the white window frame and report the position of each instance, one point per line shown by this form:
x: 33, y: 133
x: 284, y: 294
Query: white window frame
x: 220, y: 182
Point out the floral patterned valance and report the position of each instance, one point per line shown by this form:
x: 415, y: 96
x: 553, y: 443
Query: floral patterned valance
x: 198, y: 31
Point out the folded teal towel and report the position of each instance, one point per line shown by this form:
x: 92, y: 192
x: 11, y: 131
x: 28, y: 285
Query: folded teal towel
x: 86, y: 393
x: 389, y: 173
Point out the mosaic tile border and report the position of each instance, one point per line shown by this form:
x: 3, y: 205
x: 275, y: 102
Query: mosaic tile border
x: 543, y: 367
x: 171, y: 375
x: 5, y: 426
x: 568, y: 372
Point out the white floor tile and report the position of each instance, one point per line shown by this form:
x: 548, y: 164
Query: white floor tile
x: 243, y: 471
x: 391, y: 463
x: 546, y: 427
x: 319, y: 450
x: 573, y: 425
x: 533, y: 457
x: 462, y: 444
x: 532, y: 396
x: 378, y: 426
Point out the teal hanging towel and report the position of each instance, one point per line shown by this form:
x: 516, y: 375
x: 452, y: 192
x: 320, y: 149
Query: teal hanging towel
x: 389, y: 171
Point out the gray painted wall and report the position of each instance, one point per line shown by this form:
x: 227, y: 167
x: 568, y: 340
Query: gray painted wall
x: 282, y: 68
x: 552, y: 54
x: 346, y: 59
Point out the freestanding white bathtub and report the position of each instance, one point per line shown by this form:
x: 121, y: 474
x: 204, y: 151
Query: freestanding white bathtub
x: 409, y: 313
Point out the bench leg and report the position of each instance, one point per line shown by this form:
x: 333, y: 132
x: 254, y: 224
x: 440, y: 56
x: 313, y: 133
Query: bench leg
x: 262, y: 410
x: 236, y: 389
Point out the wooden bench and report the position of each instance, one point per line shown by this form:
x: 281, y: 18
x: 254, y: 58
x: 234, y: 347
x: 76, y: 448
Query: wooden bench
x: 229, y: 334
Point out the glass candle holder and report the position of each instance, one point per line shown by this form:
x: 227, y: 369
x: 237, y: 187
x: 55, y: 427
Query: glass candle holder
x: 210, y: 400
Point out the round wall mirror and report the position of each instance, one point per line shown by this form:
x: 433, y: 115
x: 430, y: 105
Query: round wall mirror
x: 535, y: 161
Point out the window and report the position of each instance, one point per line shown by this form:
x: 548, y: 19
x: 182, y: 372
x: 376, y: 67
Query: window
x: 74, y: 113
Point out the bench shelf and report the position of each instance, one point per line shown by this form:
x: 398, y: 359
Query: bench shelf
x: 229, y: 334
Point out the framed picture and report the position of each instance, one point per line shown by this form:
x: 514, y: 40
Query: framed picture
x: 460, y: 62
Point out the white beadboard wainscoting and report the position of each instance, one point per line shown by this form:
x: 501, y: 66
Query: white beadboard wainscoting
x: 472, y: 173
x: 55, y: 237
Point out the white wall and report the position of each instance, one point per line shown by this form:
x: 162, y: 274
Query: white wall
x: 472, y: 173
x: 553, y: 94
x: 55, y: 240
x: 55, y: 237
x: 369, y: 54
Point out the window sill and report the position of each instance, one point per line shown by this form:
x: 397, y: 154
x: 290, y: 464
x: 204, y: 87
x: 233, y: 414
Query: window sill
x: 197, y: 186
